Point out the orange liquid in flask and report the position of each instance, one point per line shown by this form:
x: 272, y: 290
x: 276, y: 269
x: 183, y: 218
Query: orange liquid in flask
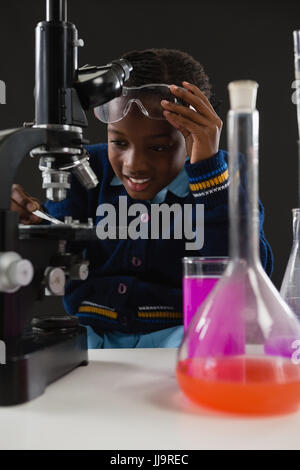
x: 246, y: 385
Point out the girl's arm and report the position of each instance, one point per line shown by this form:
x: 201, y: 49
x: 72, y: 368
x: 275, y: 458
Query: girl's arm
x: 208, y: 171
x: 209, y: 181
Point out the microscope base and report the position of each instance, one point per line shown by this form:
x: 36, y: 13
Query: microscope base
x: 36, y: 360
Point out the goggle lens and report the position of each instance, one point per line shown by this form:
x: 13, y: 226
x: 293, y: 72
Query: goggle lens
x: 147, y: 98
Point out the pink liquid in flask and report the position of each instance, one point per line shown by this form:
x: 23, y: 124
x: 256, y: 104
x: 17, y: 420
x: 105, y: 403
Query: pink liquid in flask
x: 195, y: 291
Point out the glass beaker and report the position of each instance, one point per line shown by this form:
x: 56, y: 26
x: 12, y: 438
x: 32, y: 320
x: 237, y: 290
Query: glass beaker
x: 200, y: 275
x: 240, y: 353
x: 290, y: 288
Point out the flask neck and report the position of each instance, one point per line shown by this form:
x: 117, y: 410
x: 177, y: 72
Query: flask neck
x: 296, y: 225
x: 243, y: 188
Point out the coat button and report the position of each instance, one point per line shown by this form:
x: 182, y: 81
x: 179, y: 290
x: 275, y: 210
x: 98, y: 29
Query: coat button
x: 136, y: 261
x: 122, y: 288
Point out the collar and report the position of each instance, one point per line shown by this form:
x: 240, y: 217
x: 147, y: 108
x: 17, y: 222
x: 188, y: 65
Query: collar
x: 179, y: 186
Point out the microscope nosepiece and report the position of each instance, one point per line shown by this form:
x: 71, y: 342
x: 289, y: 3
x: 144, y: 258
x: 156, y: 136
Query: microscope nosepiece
x: 56, y: 184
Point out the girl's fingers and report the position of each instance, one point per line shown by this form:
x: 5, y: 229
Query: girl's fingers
x: 25, y: 215
x: 34, y: 200
x: 196, y: 91
x: 21, y: 198
x: 186, y: 112
x: 17, y: 194
x: 15, y: 207
x: 186, y: 126
x: 197, y: 101
x: 34, y: 219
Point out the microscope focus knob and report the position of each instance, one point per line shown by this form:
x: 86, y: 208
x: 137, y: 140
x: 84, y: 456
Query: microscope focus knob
x: 55, y: 280
x: 15, y: 272
x: 79, y: 271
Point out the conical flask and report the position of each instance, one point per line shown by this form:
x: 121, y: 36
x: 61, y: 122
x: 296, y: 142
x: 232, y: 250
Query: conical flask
x: 241, y: 352
x: 290, y: 288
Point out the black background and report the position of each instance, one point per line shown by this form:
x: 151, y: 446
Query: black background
x: 233, y: 40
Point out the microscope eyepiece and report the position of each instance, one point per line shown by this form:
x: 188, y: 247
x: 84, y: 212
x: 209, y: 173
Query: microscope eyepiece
x: 96, y: 85
x: 125, y: 67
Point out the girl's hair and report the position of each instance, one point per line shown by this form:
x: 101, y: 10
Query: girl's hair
x: 168, y: 66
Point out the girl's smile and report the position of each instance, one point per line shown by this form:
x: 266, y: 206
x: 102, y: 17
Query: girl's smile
x: 138, y: 184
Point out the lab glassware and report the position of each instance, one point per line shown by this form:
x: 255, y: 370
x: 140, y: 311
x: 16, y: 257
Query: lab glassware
x: 290, y: 288
x: 200, y: 275
x: 296, y: 95
x: 240, y: 353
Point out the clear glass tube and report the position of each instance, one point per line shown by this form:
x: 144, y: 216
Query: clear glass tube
x: 243, y: 194
x: 238, y: 352
x: 290, y: 288
x: 296, y: 36
x: 297, y: 74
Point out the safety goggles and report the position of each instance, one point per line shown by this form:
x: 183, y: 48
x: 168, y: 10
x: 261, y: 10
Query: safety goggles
x: 146, y: 97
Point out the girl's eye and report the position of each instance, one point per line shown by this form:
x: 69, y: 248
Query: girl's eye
x: 160, y: 148
x: 156, y: 148
x: 119, y: 143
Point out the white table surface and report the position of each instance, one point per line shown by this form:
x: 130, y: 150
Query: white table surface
x: 129, y: 399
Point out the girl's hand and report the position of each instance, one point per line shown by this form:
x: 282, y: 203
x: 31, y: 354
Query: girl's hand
x: 24, y: 204
x: 200, y: 127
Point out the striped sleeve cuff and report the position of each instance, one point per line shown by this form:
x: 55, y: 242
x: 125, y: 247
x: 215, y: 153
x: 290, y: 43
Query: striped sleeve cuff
x: 209, y: 180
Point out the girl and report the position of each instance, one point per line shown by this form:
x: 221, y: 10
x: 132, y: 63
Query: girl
x: 159, y: 151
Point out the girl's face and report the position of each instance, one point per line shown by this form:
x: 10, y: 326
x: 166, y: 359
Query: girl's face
x: 145, y: 154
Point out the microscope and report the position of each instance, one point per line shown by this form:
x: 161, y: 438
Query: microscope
x: 35, y: 262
